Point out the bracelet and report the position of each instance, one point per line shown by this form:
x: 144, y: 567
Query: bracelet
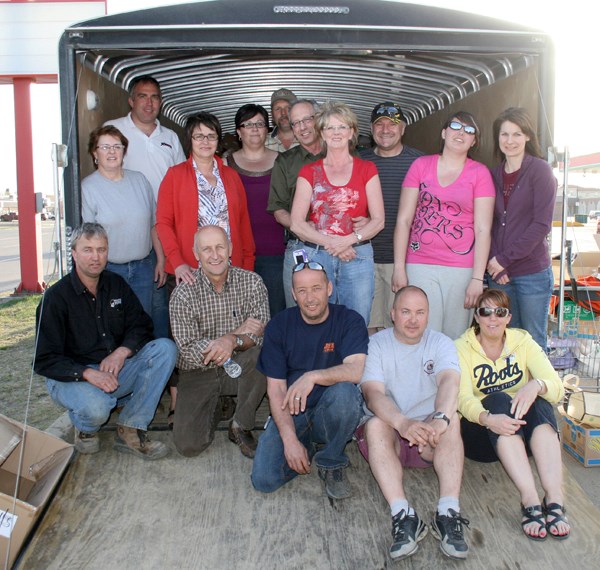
x: 477, y: 279
x: 541, y: 383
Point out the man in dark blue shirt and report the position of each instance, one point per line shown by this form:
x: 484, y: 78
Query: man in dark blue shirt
x: 95, y: 347
x: 313, y: 356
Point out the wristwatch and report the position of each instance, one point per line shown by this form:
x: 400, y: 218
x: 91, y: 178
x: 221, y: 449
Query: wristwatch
x: 357, y: 235
x: 441, y: 416
x: 239, y: 341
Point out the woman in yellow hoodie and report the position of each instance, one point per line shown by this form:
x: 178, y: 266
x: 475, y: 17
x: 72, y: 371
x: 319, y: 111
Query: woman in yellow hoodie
x: 506, y: 394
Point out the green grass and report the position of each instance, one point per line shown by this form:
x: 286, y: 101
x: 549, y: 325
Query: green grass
x: 17, y: 338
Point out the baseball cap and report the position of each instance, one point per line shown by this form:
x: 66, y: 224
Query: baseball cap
x: 389, y: 110
x: 283, y: 93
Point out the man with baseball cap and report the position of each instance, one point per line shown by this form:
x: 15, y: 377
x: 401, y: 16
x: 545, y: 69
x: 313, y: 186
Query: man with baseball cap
x: 393, y: 160
x: 282, y: 137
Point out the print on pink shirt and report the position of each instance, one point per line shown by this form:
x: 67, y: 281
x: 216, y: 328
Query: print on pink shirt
x: 435, y: 222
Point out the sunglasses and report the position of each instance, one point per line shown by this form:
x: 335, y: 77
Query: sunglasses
x: 314, y: 265
x: 489, y: 311
x: 456, y: 126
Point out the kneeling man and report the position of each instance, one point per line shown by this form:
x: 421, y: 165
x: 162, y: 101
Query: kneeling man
x: 218, y: 317
x: 96, y: 349
x: 313, y: 357
x: 410, y: 385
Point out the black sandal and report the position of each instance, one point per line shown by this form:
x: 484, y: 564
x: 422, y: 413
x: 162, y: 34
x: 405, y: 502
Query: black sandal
x: 552, y: 510
x: 534, y: 514
x: 170, y: 416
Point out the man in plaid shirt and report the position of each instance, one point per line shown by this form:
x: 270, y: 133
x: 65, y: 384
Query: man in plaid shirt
x: 221, y: 315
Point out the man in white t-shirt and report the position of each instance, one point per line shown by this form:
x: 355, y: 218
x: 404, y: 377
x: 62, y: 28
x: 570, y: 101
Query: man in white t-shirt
x: 152, y: 150
x: 410, y: 385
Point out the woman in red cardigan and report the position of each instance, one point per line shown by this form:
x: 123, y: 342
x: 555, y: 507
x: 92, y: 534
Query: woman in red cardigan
x: 199, y: 192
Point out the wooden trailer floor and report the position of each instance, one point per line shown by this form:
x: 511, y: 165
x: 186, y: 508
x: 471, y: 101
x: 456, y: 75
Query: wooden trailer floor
x: 114, y: 511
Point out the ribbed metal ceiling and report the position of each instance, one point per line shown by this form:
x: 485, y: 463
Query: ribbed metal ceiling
x: 220, y: 83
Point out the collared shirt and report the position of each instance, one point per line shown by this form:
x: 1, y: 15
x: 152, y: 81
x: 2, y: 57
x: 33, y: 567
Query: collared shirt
x: 274, y: 143
x: 77, y: 328
x: 284, y: 176
x: 151, y: 155
x: 200, y: 314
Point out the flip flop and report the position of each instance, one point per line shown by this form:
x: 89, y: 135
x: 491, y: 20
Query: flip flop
x: 534, y: 514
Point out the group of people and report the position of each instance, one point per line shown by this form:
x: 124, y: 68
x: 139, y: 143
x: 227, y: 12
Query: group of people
x: 264, y: 270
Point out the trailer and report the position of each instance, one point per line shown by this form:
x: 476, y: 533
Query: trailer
x: 217, y: 55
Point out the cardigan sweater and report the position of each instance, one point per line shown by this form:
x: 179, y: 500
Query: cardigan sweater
x: 519, y: 231
x: 177, y: 216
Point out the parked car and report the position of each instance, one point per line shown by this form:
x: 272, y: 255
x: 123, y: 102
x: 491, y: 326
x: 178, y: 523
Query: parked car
x: 594, y: 214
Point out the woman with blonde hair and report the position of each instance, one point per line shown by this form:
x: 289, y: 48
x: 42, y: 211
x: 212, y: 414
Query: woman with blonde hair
x: 333, y: 192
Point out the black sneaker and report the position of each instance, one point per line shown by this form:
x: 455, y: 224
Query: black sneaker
x: 336, y: 486
x: 407, y: 531
x: 449, y: 531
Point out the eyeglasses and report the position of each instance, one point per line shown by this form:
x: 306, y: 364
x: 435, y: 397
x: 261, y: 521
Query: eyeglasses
x: 257, y: 125
x: 302, y: 122
x: 200, y: 137
x: 489, y: 311
x: 336, y: 128
x: 314, y: 265
x: 456, y: 126
x: 109, y: 147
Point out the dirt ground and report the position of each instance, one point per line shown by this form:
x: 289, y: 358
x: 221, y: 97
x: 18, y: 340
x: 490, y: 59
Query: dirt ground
x: 23, y: 395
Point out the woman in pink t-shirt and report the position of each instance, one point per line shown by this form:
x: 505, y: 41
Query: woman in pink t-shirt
x: 442, y: 235
x: 336, y: 192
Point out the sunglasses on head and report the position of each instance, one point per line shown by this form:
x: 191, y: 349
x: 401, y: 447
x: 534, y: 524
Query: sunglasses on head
x: 314, y: 265
x: 456, y: 126
x: 489, y: 311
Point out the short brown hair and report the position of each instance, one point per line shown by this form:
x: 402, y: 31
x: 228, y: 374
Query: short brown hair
x: 109, y: 130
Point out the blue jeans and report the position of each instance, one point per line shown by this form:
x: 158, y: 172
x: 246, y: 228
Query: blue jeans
x: 529, y: 301
x: 330, y: 424
x: 139, y: 275
x: 288, y: 265
x: 160, y: 306
x: 270, y: 268
x: 353, y: 281
x: 143, y: 377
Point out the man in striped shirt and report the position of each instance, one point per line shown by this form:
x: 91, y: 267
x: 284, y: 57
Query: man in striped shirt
x: 393, y: 159
x: 221, y: 316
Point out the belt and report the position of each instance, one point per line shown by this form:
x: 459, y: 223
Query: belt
x: 315, y: 246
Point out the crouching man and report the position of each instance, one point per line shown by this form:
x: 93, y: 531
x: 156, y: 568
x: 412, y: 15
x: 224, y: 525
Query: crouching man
x: 410, y: 384
x: 218, y: 317
x: 313, y: 357
x: 96, y: 349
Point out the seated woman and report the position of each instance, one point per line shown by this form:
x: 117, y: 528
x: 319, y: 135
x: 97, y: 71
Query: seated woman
x: 506, y: 394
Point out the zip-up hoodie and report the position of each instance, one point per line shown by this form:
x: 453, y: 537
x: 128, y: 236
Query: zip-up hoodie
x: 522, y: 360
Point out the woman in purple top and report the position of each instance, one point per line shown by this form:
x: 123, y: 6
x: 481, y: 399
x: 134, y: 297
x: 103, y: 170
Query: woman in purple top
x: 254, y: 163
x: 520, y: 262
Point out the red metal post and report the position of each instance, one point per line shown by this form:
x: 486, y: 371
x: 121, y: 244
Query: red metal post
x: 30, y: 234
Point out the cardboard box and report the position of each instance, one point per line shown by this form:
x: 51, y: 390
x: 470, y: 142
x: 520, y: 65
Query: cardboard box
x: 581, y: 442
x: 585, y: 263
x: 44, y: 459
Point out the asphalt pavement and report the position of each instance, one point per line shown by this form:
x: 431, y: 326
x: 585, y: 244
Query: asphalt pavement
x: 10, y: 266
